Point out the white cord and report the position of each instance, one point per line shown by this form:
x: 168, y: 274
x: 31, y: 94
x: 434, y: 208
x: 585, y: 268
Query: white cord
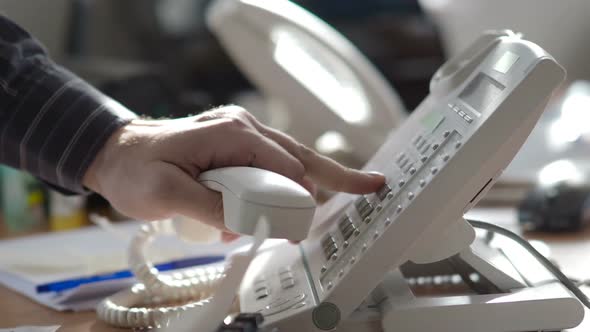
x: 565, y: 281
x: 143, y: 306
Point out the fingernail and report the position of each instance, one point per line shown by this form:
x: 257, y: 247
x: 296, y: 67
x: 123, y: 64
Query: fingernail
x: 375, y: 174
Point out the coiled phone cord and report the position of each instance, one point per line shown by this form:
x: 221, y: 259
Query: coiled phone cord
x: 141, y: 306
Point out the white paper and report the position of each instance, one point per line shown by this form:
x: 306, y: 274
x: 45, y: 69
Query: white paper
x: 28, y: 262
x: 32, y: 329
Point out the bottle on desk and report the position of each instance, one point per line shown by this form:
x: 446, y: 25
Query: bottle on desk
x: 66, y: 212
x: 23, y: 200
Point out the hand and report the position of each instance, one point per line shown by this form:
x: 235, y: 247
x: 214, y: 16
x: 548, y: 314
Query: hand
x: 148, y: 169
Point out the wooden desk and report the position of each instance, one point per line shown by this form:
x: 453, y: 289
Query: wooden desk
x: 572, y: 251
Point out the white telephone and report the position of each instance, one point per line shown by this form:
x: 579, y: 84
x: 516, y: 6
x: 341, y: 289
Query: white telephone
x: 308, y: 70
x: 349, y: 273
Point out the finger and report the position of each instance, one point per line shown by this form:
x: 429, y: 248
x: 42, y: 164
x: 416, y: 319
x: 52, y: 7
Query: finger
x: 273, y: 157
x: 255, y: 150
x: 323, y: 170
x: 227, y: 237
x: 308, y: 184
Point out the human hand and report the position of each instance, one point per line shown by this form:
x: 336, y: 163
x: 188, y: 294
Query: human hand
x: 148, y: 169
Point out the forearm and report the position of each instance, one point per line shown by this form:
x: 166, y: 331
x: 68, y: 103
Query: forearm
x: 52, y: 123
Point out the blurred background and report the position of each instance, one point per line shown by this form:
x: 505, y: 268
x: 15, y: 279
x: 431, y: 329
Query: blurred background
x: 158, y: 58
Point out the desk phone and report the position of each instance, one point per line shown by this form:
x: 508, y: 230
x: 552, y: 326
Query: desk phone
x: 481, y: 107
x: 346, y: 275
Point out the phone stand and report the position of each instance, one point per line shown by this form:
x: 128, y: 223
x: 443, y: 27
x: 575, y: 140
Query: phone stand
x: 500, y: 296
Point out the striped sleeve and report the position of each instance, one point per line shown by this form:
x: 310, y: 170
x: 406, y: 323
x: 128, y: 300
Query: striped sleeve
x: 52, y: 123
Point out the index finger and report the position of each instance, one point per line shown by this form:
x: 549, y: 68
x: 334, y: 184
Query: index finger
x: 323, y: 170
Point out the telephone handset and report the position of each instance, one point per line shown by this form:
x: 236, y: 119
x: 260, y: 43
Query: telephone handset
x: 256, y: 202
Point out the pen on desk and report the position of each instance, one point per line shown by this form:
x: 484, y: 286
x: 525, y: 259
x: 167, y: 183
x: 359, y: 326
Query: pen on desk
x: 64, y: 285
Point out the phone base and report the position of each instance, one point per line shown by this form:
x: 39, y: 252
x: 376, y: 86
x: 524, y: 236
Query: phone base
x: 506, y: 293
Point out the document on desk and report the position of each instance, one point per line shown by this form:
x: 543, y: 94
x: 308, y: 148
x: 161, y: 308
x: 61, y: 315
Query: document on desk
x: 52, y: 328
x: 74, y: 270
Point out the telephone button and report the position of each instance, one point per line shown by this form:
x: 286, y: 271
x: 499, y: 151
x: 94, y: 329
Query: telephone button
x: 278, y: 302
x: 417, y: 139
x: 262, y: 294
x: 299, y: 297
x: 287, y: 283
x: 421, y: 144
x: 299, y: 305
x: 285, y: 270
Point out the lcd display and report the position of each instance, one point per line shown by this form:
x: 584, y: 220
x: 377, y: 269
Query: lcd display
x: 481, y: 92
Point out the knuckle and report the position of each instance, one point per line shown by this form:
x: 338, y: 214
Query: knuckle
x: 160, y: 189
x: 298, y: 170
x: 236, y: 110
x: 234, y: 123
x: 305, y: 152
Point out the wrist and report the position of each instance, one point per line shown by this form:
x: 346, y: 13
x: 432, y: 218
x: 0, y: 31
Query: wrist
x: 105, y: 158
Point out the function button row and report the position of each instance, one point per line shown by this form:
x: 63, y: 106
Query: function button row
x: 461, y: 113
x: 286, y: 270
x: 347, y: 227
x: 383, y: 192
x: 364, y: 207
x: 262, y: 292
x: 287, y: 283
x: 329, y: 246
x: 400, y: 157
x: 419, y: 142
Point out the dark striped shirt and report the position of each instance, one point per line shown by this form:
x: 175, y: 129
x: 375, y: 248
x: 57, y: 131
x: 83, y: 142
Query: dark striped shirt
x: 52, y: 123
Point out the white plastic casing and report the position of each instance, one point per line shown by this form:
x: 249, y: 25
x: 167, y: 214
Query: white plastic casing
x: 250, y: 193
x: 482, y: 106
x: 295, y: 58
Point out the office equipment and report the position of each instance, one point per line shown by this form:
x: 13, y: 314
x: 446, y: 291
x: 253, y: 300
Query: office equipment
x: 249, y: 193
x: 349, y: 274
x: 481, y: 108
x: 308, y: 71
x: 556, y: 208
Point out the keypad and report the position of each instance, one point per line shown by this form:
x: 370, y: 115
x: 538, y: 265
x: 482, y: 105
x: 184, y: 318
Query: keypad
x: 357, y: 230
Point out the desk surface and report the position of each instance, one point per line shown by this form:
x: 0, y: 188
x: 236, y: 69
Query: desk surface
x: 569, y: 250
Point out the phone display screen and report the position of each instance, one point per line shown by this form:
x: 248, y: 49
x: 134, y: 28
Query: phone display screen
x: 481, y: 92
